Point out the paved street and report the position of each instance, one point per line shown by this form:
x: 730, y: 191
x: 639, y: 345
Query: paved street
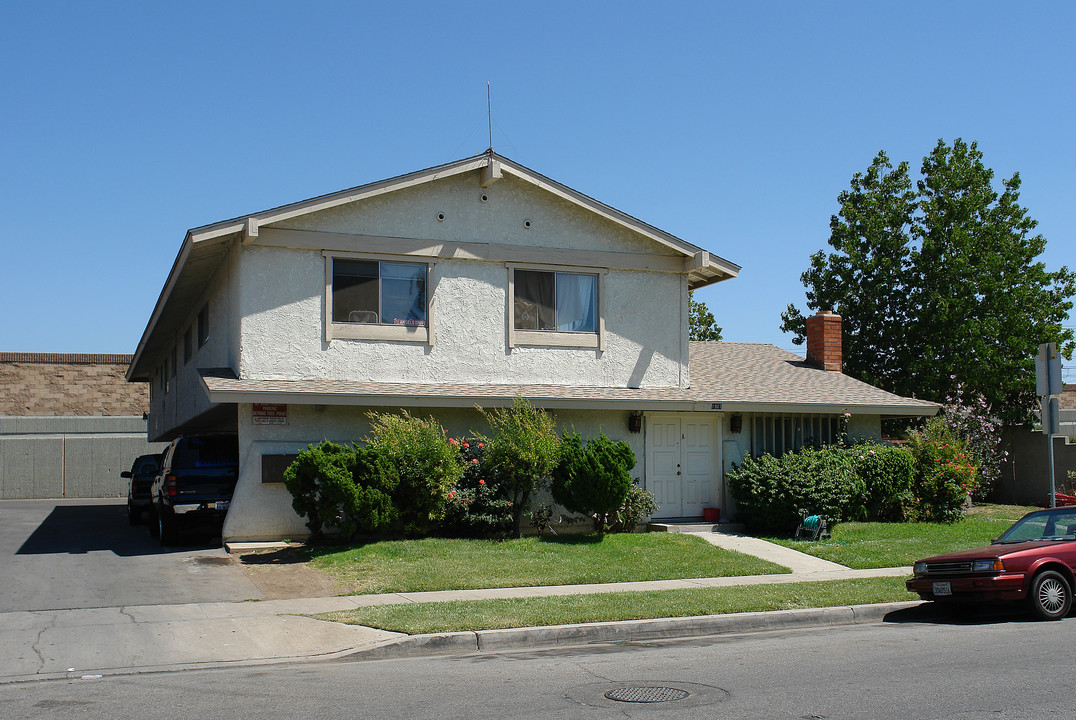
x: 62, y: 554
x: 999, y: 667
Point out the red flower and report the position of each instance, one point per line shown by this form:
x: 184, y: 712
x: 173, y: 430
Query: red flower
x: 474, y: 461
x: 453, y: 441
x: 481, y: 444
x: 452, y: 494
x: 481, y: 482
x: 466, y: 445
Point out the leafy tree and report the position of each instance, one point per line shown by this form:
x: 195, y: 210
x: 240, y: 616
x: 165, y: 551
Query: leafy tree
x: 701, y: 322
x: 941, y: 284
x: 524, y: 449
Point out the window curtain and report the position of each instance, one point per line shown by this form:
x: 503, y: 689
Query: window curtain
x: 533, y: 307
x: 577, y: 302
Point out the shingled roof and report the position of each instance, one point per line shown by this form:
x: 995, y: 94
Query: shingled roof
x: 62, y: 384
x: 734, y: 377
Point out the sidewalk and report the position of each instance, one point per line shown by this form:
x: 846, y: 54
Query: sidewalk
x: 77, y: 643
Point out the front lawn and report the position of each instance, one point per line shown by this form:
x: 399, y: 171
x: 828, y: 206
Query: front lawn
x: 436, y: 617
x: 877, y: 545
x: 439, y: 564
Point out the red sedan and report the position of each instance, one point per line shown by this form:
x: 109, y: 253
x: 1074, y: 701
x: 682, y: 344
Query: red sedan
x: 1031, y: 562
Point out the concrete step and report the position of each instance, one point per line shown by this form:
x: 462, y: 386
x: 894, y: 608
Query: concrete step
x: 689, y: 527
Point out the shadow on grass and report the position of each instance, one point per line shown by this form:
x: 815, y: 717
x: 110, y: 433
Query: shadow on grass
x: 588, y: 539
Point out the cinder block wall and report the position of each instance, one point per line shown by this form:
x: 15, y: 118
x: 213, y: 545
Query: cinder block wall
x: 70, y: 423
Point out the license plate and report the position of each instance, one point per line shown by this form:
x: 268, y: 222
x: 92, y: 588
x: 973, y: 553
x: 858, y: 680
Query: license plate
x: 223, y: 505
x: 943, y: 588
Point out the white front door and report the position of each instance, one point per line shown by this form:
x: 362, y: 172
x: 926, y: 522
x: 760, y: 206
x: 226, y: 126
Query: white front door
x: 681, y: 463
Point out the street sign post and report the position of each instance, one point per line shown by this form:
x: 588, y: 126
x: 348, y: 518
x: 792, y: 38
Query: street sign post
x: 1047, y: 385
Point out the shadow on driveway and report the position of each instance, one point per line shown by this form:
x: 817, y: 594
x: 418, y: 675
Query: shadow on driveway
x: 79, y: 529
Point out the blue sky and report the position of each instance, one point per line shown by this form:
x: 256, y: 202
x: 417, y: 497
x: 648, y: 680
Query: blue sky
x: 731, y: 125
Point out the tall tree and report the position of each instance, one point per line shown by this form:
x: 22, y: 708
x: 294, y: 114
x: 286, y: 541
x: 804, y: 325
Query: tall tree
x: 701, y: 322
x: 942, y: 285
x: 873, y: 255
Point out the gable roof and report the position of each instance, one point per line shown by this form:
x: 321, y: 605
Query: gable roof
x: 725, y: 376
x: 203, y: 247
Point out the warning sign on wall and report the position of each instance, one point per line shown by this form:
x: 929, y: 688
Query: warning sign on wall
x: 270, y: 414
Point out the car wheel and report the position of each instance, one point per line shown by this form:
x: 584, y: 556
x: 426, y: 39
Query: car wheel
x: 1051, y: 596
x: 166, y: 527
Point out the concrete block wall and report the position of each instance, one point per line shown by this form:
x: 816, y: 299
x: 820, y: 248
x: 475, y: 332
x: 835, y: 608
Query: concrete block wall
x: 69, y: 457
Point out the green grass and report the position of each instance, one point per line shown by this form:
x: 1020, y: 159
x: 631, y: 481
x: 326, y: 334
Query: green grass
x: 414, y: 618
x: 876, y: 545
x: 439, y: 564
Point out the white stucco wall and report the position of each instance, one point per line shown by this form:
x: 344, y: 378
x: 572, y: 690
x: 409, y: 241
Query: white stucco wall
x: 186, y: 398
x: 282, y: 297
x: 263, y: 511
x: 283, y: 332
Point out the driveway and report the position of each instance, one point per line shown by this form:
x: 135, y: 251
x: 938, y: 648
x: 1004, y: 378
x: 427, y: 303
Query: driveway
x: 65, y: 554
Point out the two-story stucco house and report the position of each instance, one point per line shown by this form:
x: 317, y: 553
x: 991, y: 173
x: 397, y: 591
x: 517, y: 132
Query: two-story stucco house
x: 469, y: 284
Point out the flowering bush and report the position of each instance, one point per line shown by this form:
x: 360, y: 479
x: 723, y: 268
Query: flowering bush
x: 945, y: 476
x: 969, y: 418
x: 479, y: 505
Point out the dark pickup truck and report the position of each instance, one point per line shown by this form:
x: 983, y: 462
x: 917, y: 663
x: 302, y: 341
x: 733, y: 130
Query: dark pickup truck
x: 195, y: 484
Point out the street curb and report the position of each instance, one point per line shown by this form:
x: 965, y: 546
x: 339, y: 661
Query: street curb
x: 461, y: 643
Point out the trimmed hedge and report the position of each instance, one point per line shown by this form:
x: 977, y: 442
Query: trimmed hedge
x: 862, y: 482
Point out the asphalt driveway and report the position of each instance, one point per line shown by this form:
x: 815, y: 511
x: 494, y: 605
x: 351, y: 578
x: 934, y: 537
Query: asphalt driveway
x: 64, y: 554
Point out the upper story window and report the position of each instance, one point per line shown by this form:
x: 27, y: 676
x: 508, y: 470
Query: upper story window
x: 556, y: 308
x: 371, y: 299
x: 374, y: 292
x: 563, y: 302
x: 203, y: 325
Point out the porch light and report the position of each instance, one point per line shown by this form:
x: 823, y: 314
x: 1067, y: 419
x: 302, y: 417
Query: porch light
x: 635, y: 421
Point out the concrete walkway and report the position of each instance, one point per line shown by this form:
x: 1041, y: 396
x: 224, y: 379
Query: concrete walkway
x: 78, y: 643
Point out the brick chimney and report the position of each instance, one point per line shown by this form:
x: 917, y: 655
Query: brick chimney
x: 824, y: 341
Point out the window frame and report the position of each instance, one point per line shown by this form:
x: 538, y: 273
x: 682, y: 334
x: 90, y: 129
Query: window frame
x: 555, y: 338
x: 370, y: 331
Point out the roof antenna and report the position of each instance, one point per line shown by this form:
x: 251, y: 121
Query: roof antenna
x: 489, y: 112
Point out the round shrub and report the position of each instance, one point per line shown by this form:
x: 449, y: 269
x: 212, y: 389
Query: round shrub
x: 593, y: 480
x: 342, y: 489
x: 425, y: 464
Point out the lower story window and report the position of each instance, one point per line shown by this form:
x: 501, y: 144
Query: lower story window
x: 373, y: 292
x: 777, y: 434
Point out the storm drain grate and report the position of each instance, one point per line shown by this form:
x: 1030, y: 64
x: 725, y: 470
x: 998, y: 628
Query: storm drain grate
x: 647, y: 694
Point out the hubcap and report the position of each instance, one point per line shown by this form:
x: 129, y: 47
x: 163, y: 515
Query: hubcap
x: 1052, y: 595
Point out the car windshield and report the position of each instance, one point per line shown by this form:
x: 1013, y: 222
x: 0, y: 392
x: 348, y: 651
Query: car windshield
x: 1057, y: 524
